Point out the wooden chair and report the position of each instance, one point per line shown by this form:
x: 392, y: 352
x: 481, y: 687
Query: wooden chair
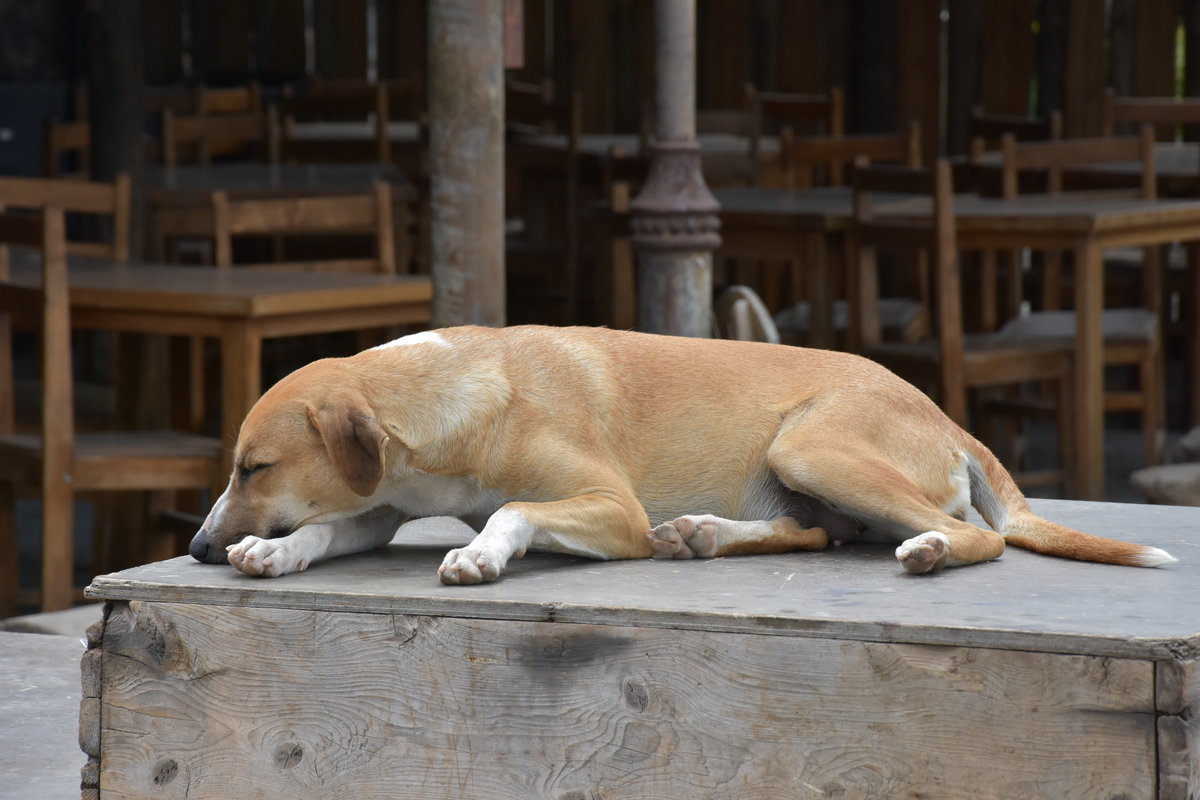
x: 204, y: 138
x: 109, y: 201
x: 948, y: 363
x: 986, y: 129
x: 1165, y: 114
x: 368, y: 103
x: 66, y: 139
x: 368, y: 215
x: 797, y: 113
x: 544, y: 198
x: 229, y: 100
x: 1133, y: 337
x: 802, y: 159
x: 59, y: 462
x: 823, y: 160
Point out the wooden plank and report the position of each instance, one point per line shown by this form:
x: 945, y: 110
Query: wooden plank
x: 1021, y: 601
x: 724, y: 27
x: 277, y: 39
x: 802, y: 47
x: 965, y: 73
x: 592, y: 67
x: 340, y: 28
x: 1178, y: 700
x: 402, y: 26
x: 919, y: 63
x: 408, y: 706
x: 163, y: 36
x: 1155, y: 25
x: 1086, y: 68
x: 1007, y: 56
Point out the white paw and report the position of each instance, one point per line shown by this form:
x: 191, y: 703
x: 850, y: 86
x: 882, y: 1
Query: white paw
x: 685, y: 537
x: 268, y: 558
x: 471, y: 565
x: 927, y: 552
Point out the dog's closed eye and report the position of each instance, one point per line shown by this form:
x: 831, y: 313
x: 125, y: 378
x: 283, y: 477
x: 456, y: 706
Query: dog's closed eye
x: 247, y: 470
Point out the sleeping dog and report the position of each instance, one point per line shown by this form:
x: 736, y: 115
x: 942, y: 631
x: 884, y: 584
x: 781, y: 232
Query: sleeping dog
x: 611, y: 444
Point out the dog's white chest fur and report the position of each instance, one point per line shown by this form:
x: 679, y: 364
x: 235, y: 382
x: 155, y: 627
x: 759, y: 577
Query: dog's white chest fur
x: 420, y: 494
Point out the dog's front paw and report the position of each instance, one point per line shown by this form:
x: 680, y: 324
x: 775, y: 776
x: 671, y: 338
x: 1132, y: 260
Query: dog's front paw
x: 928, y: 552
x: 268, y: 558
x: 685, y: 537
x: 470, y: 565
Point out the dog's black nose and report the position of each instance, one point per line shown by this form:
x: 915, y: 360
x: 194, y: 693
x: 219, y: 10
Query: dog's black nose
x: 203, y: 551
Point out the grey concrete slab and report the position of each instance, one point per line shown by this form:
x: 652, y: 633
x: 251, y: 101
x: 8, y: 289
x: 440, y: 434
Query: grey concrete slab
x: 39, y: 716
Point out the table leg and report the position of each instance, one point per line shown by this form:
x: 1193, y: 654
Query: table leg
x: 241, y: 380
x: 1089, y: 369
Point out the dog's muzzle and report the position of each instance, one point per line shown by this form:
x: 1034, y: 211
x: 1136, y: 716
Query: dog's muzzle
x: 205, y: 552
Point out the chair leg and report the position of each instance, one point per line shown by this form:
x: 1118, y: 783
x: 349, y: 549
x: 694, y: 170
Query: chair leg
x: 10, y: 577
x: 1150, y: 377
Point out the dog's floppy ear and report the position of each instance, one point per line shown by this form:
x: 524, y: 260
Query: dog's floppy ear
x: 355, y: 443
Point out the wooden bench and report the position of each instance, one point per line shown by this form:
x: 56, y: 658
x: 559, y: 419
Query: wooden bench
x: 798, y: 675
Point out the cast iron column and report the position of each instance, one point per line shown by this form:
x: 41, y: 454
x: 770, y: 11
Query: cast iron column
x: 675, y: 224
x: 466, y: 114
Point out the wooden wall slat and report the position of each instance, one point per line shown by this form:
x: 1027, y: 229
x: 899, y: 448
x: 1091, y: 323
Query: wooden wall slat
x: 591, y: 61
x: 1007, y: 56
x: 871, y: 95
x: 163, y: 37
x: 723, y: 52
x: 1155, y: 26
x: 402, y: 26
x: 964, y: 69
x: 1086, y: 68
x: 277, y: 36
x: 340, y: 31
x: 802, y: 46
x: 919, y: 60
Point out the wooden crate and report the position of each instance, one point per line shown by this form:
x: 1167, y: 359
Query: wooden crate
x: 800, y: 675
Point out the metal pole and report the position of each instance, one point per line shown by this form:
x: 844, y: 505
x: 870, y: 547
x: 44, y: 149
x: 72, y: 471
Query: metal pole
x: 675, y: 224
x: 466, y: 113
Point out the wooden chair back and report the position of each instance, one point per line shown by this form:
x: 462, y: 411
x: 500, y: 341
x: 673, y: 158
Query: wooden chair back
x: 811, y: 114
x: 986, y: 130
x: 335, y: 215
x: 66, y: 139
x: 935, y: 235
x: 535, y: 108
x: 202, y: 139
x: 106, y: 200
x: 231, y: 100
x: 1055, y: 158
x: 803, y: 158
x: 340, y: 102
x: 1165, y: 114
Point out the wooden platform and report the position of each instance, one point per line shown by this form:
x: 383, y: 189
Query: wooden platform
x: 801, y: 675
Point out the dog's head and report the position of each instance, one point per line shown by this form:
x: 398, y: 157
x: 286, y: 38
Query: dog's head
x: 309, y: 451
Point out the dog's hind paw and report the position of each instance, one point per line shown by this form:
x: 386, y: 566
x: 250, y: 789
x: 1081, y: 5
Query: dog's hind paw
x: 685, y: 537
x: 928, y: 552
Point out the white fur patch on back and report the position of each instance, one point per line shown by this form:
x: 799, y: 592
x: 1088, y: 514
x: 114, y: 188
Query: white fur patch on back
x: 424, y: 337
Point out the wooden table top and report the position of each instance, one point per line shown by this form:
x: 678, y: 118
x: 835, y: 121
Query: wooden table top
x: 208, y: 291
x: 351, y: 130
x: 600, y: 144
x: 247, y: 178
x: 1176, y: 164
x: 1022, y: 601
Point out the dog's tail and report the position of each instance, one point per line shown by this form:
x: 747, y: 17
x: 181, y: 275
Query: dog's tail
x: 995, y: 495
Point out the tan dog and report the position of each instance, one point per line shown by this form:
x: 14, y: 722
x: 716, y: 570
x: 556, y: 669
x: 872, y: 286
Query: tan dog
x: 575, y: 439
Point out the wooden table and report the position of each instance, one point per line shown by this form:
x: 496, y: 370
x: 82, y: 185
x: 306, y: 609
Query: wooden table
x: 1176, y: 166
x: 1085, y: 226
x: 804, y: 226
x: 179, y: 198
x: 795, y: 675
x: 240, y: 307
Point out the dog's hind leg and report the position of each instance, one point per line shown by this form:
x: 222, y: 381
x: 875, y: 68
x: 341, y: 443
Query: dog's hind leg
x: 860, y: 482
x: 707, y: 536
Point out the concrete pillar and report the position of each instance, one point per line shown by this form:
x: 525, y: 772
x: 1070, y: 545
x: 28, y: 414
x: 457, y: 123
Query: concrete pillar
x: 675, y: 224
x: 466, y: 115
